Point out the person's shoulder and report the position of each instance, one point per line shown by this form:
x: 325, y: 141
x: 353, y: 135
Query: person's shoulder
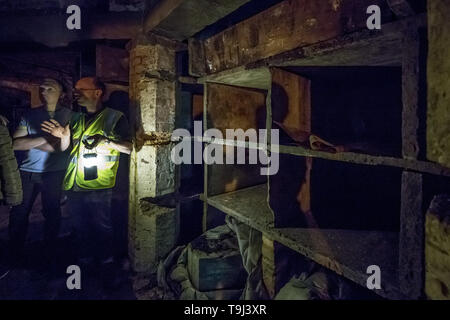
x: 3, y: 128
x: 75, y: 115
x: 116, y: 112
x: 4, y: 133
x: 32, y: 114
x: 66, y: 110
x: 4, y: 121
x: 34, y: 111
x: 118, y: 116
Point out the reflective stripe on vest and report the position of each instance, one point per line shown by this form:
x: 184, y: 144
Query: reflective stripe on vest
x: 105, y: 158
x: 106, y: 161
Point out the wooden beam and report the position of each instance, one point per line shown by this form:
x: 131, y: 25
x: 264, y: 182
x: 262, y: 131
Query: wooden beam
x: 19, y: 84
x: 181, y: 19
x: 205, y: 167
x: 361, y: 47
x: 52, y: 31
x: 412, y: 218
x: 197, y: 66
x: 159, y: 13
x: 153, y: 38
x: 31, y: 87
x: 283, y: 27
x: 412, y: 236
x: 410, y: 93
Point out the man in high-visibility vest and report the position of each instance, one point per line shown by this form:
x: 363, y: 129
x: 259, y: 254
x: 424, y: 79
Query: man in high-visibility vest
x: 97, y: 137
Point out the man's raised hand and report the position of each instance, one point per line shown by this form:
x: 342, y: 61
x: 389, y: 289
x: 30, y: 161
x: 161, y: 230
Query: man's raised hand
x: 55, y: 129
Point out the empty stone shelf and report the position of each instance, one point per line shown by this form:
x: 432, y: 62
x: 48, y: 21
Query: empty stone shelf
x: 348, y: 253
x: 257, y: 78
x: 248, y: 205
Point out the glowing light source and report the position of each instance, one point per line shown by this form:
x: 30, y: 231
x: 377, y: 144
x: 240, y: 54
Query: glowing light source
x: 90, y: 160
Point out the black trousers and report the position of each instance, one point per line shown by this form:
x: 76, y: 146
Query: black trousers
x: 90, y: 212
x: 49, y: 184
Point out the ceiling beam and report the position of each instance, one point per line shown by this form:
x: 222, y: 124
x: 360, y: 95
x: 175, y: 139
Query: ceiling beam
x: 283, y: 27
x: 19, y: 83
x: 181, y: 19
x: 51, y: 31
x: 159, y: 13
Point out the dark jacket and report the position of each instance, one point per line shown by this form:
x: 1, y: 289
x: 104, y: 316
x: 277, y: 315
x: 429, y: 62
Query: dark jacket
x: 10, y: 183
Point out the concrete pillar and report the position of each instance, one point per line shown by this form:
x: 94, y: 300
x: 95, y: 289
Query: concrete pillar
x: 153, y: 229
x: 438, y: 122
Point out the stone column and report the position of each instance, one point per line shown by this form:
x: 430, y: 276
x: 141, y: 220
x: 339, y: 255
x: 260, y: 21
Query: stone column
x: 153, y: 229
x: 438, y: 122
x: 437, y: 249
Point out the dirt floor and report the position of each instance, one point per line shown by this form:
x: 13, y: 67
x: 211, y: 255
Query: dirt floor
x: 32, y: 282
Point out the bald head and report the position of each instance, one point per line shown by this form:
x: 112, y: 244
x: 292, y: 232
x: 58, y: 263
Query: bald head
x: 88, y: 81
x: 89, y: 92
x: 92, y: 82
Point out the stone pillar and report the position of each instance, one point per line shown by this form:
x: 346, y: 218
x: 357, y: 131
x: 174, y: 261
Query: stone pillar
x: 438, y: 122
x: 437, y: 249
x: 153, y: 229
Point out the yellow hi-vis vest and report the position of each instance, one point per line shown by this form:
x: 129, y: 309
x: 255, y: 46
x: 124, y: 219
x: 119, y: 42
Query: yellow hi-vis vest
x: 107, y: 163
